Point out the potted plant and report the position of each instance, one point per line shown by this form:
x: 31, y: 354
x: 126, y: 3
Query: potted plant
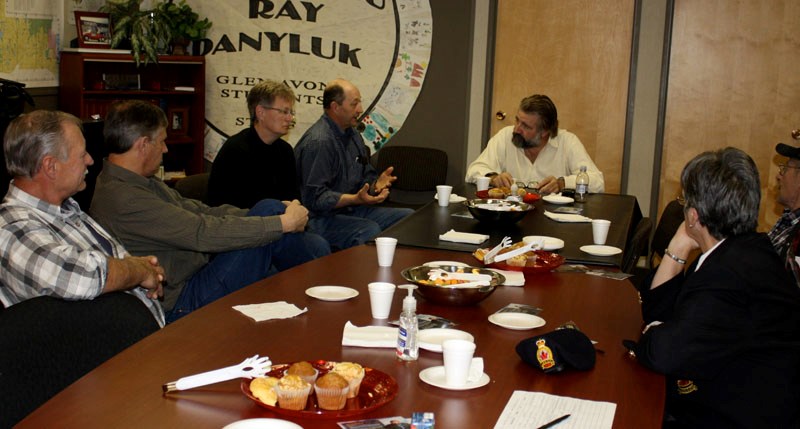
x: 146, y: 30
x: 184, y: 23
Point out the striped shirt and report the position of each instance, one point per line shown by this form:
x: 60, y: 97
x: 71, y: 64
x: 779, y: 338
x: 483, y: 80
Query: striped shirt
x: 786, y: 240
x: 52, y: 250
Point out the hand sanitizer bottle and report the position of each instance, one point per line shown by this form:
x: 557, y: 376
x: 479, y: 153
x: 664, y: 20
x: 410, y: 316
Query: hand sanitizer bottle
x: 407, y: 346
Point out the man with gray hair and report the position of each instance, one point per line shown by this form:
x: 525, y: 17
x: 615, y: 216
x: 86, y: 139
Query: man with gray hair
x: 48, y: 246
x: 257, y: 163
x: 535, y: 152
x: 207, y: 252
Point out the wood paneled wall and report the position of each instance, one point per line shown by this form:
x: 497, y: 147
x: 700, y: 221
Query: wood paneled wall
x: 734, y: 80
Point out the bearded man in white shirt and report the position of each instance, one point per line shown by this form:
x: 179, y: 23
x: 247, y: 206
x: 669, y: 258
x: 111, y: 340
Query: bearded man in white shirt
x: 535, y: 151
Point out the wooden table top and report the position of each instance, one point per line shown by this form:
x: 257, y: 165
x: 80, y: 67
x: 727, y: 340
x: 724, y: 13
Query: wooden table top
x: 126, y: 390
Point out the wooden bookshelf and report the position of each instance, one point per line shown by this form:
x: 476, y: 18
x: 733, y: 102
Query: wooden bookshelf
x: 91, y: 81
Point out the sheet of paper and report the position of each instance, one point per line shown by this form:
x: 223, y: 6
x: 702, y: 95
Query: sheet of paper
x: 534, y: 409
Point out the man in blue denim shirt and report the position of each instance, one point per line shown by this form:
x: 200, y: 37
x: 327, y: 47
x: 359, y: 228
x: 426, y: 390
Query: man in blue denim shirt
x: 337, y: 183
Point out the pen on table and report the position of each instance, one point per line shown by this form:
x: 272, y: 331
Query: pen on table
x: 554, y: 422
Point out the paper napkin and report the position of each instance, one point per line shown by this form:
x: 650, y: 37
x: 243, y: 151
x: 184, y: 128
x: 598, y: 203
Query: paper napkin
x: 562, y: 217
x: 513, y: 278
x: 463, y: 237
x: 454, y: 198
x: 269, y: 310
x: 369, y: 336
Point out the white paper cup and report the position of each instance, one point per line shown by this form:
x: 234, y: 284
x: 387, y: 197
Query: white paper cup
x: 600, y: 230
x: 483, y: 183
x: 385, y: 247
x: 380, y: 299
x: 443, y: 195
x: 457, y: 360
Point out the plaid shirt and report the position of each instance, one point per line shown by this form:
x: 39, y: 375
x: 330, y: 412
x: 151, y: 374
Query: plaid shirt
x: 785, y: 237
x: 50, y: 250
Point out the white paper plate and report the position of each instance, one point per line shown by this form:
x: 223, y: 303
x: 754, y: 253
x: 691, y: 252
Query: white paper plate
x: 331, y: 293
x: 435, y: 377
x: 263, y: 424
x: 550, y: 243
x: 445, y: 263
x: 558, y: 199
x: 517, y: 321
x: 598, y: 250
x: 431, y: 339
x: 453, y: 198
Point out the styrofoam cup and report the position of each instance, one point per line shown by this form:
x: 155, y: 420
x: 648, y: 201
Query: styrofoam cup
x: 483, y: 183
x: 443, y: 194
x: 457, y: 360
x: 380, y: 299
x: 385, y: 247
x: 600, y: 230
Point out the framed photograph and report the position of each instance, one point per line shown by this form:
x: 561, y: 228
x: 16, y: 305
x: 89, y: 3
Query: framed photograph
x: 178, y: 121
x: 94, y: 29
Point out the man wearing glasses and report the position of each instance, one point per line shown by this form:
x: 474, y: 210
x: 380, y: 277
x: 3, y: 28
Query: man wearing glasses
x: 785, y: 235
x: 337, y: 182
x: 257, y: 163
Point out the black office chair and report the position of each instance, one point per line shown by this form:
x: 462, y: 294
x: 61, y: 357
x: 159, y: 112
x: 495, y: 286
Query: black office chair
x: 194, y: 186
x: 670, y: 220
x: 47, y: 343
x: 668, y: 223
x: 637, y: 245
x: 418, y: 171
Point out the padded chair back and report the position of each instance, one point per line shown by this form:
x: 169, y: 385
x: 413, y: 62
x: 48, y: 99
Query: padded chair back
x: 194, y: 186
x: 47, y: 343
x: 638, y: 245
x: 416, y: 168
x: 670, y: 220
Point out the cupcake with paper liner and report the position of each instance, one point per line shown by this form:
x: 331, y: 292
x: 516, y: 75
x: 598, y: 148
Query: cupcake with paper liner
x: 353, y: 373
x: 304, y: 370
x: 331, y: 390
x: 292, y: 392
x: 263, y: 388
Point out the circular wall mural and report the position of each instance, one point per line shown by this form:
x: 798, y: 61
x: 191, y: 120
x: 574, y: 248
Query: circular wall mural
x: 381, y: 46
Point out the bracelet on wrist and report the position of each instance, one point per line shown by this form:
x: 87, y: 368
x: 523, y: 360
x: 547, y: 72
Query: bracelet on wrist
x: 674, y: 257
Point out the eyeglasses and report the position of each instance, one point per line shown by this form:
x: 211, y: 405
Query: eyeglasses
x: 681, y: 200
x: 284, y: 112
x: 782, y: 168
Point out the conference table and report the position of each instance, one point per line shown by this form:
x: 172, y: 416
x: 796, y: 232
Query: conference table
x: 423, y: 227
x: 126, y: 391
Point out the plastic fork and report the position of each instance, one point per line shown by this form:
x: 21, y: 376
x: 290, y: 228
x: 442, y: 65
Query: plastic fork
x: 508, y: 255
x: 489, y: 256
x: 438, y: 273
x: 251, y: 367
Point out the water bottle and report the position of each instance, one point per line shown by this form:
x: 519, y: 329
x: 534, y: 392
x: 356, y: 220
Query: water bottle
x: 407, y: 345
x: 581, y: 185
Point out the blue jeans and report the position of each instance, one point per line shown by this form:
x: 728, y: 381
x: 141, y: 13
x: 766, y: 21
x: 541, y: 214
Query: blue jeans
x: 357, y: 226
x: 230, y: 271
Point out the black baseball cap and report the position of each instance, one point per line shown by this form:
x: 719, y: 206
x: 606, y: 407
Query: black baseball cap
x: 788, y: 151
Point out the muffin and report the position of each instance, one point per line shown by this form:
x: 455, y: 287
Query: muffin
x: 331, y: 391
x: 304, y: 370
x: 353, y: 373
x: 292, y: 392
x: 263, y: 388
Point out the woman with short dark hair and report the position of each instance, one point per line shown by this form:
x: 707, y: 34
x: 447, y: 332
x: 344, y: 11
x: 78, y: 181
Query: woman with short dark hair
x: 726, y: 332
